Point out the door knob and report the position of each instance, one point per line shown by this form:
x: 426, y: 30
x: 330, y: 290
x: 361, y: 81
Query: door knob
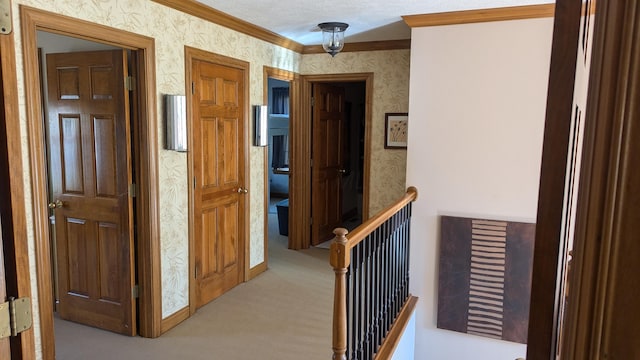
x: 242, y: 191
x: 57, y: 204
x: 342, y: 171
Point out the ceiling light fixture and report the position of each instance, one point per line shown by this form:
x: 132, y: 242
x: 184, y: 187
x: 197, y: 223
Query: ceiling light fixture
x: 333, y: 36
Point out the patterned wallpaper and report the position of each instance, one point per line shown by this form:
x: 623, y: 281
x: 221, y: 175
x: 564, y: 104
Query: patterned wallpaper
x: 172, y: 30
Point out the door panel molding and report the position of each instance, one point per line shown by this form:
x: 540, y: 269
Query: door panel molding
x: 300, y: 195
x: 191, y: 55
x: 146, y: 153
x: 328, y: 146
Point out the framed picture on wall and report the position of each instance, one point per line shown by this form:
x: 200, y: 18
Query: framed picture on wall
x: 395, y: 130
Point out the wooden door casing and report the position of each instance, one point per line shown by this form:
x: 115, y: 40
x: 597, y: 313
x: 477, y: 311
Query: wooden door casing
x: 90, y: 162
x: 327, y: 167
x: 219, y: 179
x: 5, y: 346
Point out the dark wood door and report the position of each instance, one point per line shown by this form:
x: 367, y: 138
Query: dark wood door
x: 90, y: 172
x: 219, y: 183
x: 327, y: 165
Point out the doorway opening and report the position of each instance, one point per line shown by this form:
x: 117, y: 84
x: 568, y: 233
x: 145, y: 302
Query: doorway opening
x: 278, y: 153
x: 337, y: 153
x: 90, y: 168
x: 323, y: 148
x: 144, y: 169
x: 280, y: 89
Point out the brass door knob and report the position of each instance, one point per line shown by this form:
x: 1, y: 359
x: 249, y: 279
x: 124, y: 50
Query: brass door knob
x: 57, y: 204
x: 342, y: 171
x: 242, y: 190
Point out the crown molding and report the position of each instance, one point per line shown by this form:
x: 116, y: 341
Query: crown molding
x: 363, y: 46
x: 207, y: 13
x: 482, y: 15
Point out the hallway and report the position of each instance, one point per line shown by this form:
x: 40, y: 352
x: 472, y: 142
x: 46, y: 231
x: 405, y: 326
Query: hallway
x: 284, y: 313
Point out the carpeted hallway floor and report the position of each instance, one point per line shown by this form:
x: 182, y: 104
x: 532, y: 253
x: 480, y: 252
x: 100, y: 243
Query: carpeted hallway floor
x: 285, y: 313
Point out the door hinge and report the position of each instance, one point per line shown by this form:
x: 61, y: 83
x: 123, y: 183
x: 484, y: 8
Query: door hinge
x: 6, y: 21
x: 194, y: 182
x: 313, y: 101
x: 193, y: 87
x: 130, y: 83
x: 15, y: 317
x: 132, y: 190
x: 135, y: 292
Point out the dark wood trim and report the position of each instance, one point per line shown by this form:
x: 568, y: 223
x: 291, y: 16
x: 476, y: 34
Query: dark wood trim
x: 544, y: 297
x: 146, y: 152
x: 215, y: 16
x: 300, y: 176
x: 12, y: 208
x: 188, y: 63
x: 300, y: 185
x: 174, y: 319
x: 192, y: 54
x: 391, y: 341
x: 293, y: 79
x: 404, y: 44
x: 603, y: 313
x: 265, y: 234
x: 481, y: 15
x: 258, y: 269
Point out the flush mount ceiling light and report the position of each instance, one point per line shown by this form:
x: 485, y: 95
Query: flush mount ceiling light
x: 333, y: 36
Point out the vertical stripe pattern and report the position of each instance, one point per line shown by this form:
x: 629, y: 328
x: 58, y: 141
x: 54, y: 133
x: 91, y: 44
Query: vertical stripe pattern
x: 486, y: 287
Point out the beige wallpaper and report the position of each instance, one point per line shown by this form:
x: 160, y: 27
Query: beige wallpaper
x: 390, y: 94
x: 172, y: 30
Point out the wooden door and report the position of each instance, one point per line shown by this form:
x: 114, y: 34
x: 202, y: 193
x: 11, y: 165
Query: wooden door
x: 90, y: 172
x: 327, y: 167
x: 219, y: 179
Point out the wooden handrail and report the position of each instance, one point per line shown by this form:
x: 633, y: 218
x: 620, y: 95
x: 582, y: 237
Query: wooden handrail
x: 340, y: 259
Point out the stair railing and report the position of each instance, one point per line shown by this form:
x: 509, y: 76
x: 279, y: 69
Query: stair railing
x: 371, y: 297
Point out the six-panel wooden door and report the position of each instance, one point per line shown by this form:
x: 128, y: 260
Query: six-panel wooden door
x: 327, y: 167
x: 90, y: 174
x: 219, y: 179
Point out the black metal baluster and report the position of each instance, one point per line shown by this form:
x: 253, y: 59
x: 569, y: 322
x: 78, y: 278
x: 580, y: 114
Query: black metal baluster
x: 361, y: 302
x: 377, y: 284
x: 351, y: 336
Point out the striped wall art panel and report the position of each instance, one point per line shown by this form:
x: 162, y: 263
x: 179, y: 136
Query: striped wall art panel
x: 485, y: 277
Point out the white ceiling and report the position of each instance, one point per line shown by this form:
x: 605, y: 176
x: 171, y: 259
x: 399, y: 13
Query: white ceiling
x: 369, y: 20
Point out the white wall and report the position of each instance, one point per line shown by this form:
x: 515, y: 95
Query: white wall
x: 476, y: 118
x: 406, y: 347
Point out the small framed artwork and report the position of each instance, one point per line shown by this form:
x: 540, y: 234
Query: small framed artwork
x: 395, y: 130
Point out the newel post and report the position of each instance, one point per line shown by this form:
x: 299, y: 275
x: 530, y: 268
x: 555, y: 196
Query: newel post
x: 340, y: 260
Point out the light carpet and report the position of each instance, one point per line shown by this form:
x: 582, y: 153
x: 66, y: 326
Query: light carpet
x: 284, y: 313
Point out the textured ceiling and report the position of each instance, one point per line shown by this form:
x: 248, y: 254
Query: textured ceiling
x: 369, y: 20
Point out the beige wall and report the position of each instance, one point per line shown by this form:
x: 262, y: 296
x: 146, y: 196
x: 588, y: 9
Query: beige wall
x: 172, y: 31
x: 476, y: 119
